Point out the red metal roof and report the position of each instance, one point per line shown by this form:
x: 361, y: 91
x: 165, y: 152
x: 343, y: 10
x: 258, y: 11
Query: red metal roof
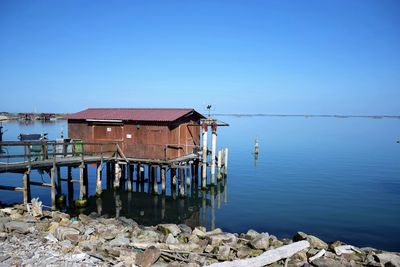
x: 134, y: 114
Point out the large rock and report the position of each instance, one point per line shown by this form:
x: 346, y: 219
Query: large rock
x: 149, y: 236
x: 198, y: 232
x: 226, y: 238
x: 223, y: 253
x: 261, y: 241
x: 120, y: 240
x: 67, y: 233
x: 243, y: 252
x: 324, y: 262
x: 171, y: 239
x: 299, y: 236
x: 390, y: 259
x: 169, y: 228
x: 185, y: 229
x: 251, y: 234
x: 19, y: 227
x: 317, y: 243
x: 148, y: 257
x: 85, y: 219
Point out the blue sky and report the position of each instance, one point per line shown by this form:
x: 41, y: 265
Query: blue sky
x: 319, y: 57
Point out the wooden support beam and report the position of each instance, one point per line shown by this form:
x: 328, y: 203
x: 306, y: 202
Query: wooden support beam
x: 181, y: 187
x: 204, y: 158
x: 130, y: 176
x: 86, y: 180
x: 27, y: 187
x: 53, y: 187
x: 162, y: 174
x: 59, y: 191
x: 40, y: 184
x: 70, y: 186
x: 155, y: 179
x: 213, y: 150
x: 98, y: 178
x: 219, y: 165
x: 81, y: 184
x: 11, y: 188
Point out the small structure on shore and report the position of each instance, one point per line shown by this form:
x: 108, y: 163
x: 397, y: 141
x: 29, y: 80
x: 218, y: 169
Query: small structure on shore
x: 147, y: 133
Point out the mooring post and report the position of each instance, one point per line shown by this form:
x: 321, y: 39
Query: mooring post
x: 98, y: 180
x: 27, y: 186
x: 162, y: 170
x: 226, y: 162
x: 213, y: 150
x: 204, y: 157
x: 53, y: 188
x: 219, y: 175
x: 155, y: 180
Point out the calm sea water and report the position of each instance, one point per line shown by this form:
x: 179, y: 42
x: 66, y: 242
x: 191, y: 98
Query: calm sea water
x: 337, y: 178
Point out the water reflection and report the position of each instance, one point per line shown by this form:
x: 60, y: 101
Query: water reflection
x: 196, y: 208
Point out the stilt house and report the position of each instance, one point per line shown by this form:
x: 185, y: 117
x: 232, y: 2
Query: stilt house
x: 142, y: 133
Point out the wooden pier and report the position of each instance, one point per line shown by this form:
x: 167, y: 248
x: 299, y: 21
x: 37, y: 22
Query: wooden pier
x: 121, y: 171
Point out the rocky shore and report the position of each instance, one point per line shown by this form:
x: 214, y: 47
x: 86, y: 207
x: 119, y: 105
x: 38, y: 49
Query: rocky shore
x: 32, y: 237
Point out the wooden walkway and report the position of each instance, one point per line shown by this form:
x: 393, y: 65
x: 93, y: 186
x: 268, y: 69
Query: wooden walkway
x: 51, y: 156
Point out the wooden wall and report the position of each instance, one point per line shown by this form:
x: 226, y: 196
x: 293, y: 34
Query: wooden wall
x: 147, y: 140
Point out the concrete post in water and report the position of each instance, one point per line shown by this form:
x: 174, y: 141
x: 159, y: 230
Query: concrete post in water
x: 204, y: 157
x: 98, y: 178
x: 213, y: 150
x: 226, y: 162
x: 219, y: 164
x: 162, y: 179
x: 53, y: 188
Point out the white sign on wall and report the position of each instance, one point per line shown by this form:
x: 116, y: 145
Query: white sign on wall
x: 129, y: 136
x: 108, y: 129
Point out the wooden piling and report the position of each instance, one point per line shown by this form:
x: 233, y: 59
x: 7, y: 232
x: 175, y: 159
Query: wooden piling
x: 130, y: 176
x: 188, y: 176
x: 212, y: 207
x: 27, y: 186
x: 81, y: 184
x: 219, y: 165
x: 53, y: 188
x: 117, y: 176
x: 162, y: 174
x: 70, y: 185
x: 98, y: 178
x: 226, y: 162
x: 204, y: 158
x: 86, y: 180
x: 181, y: 187
x: 155, y: 180
x: 213, y: 150
x: 59, y: 191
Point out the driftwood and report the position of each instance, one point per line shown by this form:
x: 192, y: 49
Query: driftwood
x: 267, y: 257
x: 318, y: 255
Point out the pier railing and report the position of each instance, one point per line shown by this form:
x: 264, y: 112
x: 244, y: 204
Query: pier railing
x: 28, y: 151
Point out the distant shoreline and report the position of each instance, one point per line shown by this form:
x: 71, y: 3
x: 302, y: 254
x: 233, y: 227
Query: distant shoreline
x: 309, y: 115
